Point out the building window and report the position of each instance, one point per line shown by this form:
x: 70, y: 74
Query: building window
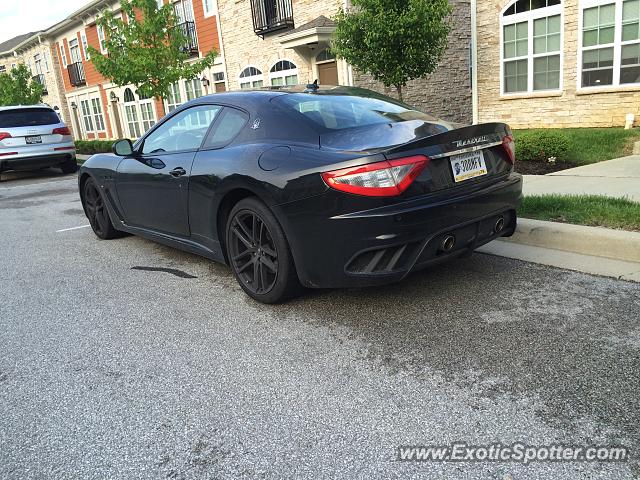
x: 208, y: 7
x: 97, y: 114
x: 146, y: 113
x: 193, y: 88
x: 131, y: 113
x: 102, y: 40
x: 271, y: 16
x: 174, y: 99
x: 63, y: 56
x: 610, y: 43
x: 251, y: 77
x: 532, y: 46
x: 86, y: 116
x: 283, y: 73
x: 46, y: 61
x: 85, y: 45
x: 3, y: 69
x: 160, y: 3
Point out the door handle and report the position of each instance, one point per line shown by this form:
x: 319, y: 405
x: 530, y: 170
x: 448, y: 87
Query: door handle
x: 178, y: 172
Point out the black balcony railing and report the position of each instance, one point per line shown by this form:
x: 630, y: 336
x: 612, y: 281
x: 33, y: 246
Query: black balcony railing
x: 189, y: 30
x: 76, y: 74
x: 39, y: 78
x: 271, y: 15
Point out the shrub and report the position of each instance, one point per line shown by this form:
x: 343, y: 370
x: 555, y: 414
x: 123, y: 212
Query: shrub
x: 540, y: 145
x: 89, y: 147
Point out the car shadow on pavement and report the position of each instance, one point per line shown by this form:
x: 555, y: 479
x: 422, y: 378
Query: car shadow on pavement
x: 7, y: 178
x: 505, y: 327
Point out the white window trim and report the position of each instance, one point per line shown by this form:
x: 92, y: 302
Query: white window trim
x: 85, y: 45
x: 252, y: 78
x: 283, y: 73
x: 101, y: 39
x: 530, y: 17
x: 99, y: 115
x: 617, y: 47
x: 63, y: 56
x: 211, y: 12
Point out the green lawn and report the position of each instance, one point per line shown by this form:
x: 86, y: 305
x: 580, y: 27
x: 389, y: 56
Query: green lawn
x: 589, y: 210
x: 591, y: 145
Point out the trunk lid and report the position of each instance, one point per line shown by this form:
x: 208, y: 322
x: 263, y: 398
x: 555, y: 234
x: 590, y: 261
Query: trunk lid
x: 450, y: 150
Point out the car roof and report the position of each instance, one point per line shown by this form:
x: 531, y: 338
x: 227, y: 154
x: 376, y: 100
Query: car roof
x: 19, y: 107
x: 267, y: 93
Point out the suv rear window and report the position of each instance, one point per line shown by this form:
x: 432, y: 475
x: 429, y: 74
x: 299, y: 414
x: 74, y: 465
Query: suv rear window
x: 28, y: 117
x: 338, y: 112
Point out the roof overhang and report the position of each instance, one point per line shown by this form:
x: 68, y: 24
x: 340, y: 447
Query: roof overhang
x: 307, y: 37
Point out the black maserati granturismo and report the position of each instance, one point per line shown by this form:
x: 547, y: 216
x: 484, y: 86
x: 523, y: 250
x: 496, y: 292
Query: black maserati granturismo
x: 316, y: 187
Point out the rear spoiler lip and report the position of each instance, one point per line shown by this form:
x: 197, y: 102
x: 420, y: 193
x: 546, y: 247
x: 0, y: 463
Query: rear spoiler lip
x: 448, y: 143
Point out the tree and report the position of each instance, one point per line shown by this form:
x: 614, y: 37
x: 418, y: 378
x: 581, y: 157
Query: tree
x: 17, y: 87
x: 147, y: 50
x: 393, y: 40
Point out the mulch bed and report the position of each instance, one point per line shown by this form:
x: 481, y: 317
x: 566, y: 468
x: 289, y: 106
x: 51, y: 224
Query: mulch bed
x: 540, y: 168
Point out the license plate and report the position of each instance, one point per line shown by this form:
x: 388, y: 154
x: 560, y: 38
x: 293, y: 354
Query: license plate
x: 33, y: 139
x: 468, y: 165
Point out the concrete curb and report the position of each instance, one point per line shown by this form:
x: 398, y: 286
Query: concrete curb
x: 594, y: 241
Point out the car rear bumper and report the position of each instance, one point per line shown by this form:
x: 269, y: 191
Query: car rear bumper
x: 35, y: 161
x: 385, y: 244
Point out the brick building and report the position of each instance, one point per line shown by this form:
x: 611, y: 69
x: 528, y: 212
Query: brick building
x: 558, y: 63
x: 275, y: 42
x: 100, y: 109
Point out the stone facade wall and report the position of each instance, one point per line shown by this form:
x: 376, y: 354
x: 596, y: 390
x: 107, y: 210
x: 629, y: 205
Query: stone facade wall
x: 242, y: 47
x: 445, y: 93
x: 570, y: 108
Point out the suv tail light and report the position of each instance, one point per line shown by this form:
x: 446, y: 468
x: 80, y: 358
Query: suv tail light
x: 61, y: 131
x: 4, y: 135
x: 510, y: 147
x: 380, y: 179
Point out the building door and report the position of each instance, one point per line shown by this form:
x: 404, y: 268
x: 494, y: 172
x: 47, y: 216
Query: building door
x: 327, y: 68
x: 328, y: 73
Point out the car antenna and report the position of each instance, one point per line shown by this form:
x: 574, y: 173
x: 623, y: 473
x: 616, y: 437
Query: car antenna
x: 312, y: 87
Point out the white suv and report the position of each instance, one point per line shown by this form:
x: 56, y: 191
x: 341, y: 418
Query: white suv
x: 33, y: 137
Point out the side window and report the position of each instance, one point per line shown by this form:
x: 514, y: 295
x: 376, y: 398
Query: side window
x: 229, y: 126
x: 185, y: 131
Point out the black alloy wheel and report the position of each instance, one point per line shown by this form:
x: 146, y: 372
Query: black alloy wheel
x: 96, y: 211
x: 259, y: 253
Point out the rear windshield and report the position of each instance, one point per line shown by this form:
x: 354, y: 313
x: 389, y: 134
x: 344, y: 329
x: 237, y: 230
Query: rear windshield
x: 338, y: 112
x: 28, y: 117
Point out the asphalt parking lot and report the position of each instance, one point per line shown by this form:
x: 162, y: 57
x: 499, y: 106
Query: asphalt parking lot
x: 126, y: 359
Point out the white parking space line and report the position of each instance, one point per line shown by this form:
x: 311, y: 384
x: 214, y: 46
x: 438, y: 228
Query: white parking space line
x: 72, y: 228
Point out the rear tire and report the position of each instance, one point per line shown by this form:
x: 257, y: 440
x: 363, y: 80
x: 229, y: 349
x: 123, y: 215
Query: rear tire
x: 96, y: 211
x: 70, y: 166
x: 259, y: 253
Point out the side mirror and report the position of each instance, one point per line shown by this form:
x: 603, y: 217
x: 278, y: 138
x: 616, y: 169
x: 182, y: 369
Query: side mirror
x: 123, y: 148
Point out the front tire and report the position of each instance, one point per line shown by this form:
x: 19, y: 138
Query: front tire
x: 259, y: 253
x: 96, y: 211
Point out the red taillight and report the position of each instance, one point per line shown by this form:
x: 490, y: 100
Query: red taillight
x: 380, y: 179
x: 4, y: 135
x: 61, y: 131
x: 510, y: 147
x: 64, y: 148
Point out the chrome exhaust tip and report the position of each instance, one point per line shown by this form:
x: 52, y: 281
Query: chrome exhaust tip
x: 499, y: 226
x: 447, y: 244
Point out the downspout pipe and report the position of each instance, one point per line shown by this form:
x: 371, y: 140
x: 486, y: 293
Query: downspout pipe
x: 474, y: 60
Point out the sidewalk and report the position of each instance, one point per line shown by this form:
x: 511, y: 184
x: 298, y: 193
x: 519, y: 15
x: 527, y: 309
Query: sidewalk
x: 613, y: 178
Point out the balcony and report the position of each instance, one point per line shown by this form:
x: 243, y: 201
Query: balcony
x: 271, y: 16
x: 76, y: 74
x: 39, y: 78
x: 189, y: 30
